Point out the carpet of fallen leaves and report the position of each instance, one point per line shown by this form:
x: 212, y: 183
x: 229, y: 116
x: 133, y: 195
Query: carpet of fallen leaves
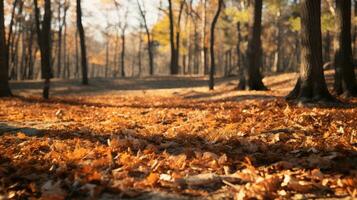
x: 110, y: 147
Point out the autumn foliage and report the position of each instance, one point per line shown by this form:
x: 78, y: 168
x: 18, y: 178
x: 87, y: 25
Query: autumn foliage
x: 159, y: 148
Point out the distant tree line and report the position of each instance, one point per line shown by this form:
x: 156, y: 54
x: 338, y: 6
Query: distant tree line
x: 243, y: 39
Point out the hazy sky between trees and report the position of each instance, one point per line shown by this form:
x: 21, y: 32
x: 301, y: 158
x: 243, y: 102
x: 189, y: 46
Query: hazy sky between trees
x: 100, y: 12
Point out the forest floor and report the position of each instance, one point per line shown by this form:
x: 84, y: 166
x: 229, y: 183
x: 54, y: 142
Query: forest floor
x: 171, y: 138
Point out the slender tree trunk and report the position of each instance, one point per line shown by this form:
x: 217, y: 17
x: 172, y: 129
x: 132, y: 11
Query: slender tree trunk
x: 345, y: 78
x: 4, y: 74
x: 116, y: 60
x: 107, y: 57
x: 254, y: 79
x: 178, y: 36
x: 59, y: 44
x: 241, y: 69
x: 84, y: 62
x: 66, y: 64
x: 279, y: 40
x: 30, y: 56
x: 10, y: 36
x: 122, y: 54
x: 311, y: 85
x: 355, y: 31
x: 197, y: 51
x: 149, y: 39
x: 139, y: 55
x: 204, y: 47
x: 44, y: 40
x: 174, y: 59
x: 77, y: 55
x: 213, y: 26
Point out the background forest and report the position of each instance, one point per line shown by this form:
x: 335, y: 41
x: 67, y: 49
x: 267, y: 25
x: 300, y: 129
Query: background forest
x: 118, y: 43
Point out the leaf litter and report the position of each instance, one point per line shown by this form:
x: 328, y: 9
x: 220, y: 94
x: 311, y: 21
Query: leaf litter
x: 130, y: 147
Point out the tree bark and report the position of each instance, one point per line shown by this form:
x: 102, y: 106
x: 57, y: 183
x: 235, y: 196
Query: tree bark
x: 241, y: 70
x: 59, y: 44
x: 122, y: 54
x: 174, y: 59
x: 4, y: 74
x: 178, y: 36
x: 44, y: 41
x: 213, y: 26
x: 254, y: 77
x: 84, y: 61
x: 311, y: 85
x: 345, y: 78
x: 65, y: 73
x: 204, y: 47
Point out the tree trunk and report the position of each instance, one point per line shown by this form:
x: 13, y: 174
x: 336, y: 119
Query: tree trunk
x: 355, y: 31
x: 174, y: 59
x: 80, y: 28
x: 178, y: 35
x: 278, y: 65
x: 139, y: 55
x: 327, y: 48
x: 107, y: 57
x: 9, y: 36
x: 204, y: 47
x: 241, y: 70
x: 44, y: 40
x: 149, y: 39
x: 30, y: 56
x: 345, y: 78
x: 311, y: 85
x: 77, y: 56
x: 59, y: 51
x: 213, y: 64
x: 254, y: 79
x: 122, y: 55
x: 4, y: 74
x: 66, y: 64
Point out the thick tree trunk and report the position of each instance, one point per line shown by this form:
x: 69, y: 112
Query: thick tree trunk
x: 254, y: 78
x: 213, y: 64
x: 4, y: 74
x: 345, y: 78
x: 80, y: 28
x: 311, y: 85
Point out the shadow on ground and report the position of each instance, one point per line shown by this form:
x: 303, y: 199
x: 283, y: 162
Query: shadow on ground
x: 25, y: 172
